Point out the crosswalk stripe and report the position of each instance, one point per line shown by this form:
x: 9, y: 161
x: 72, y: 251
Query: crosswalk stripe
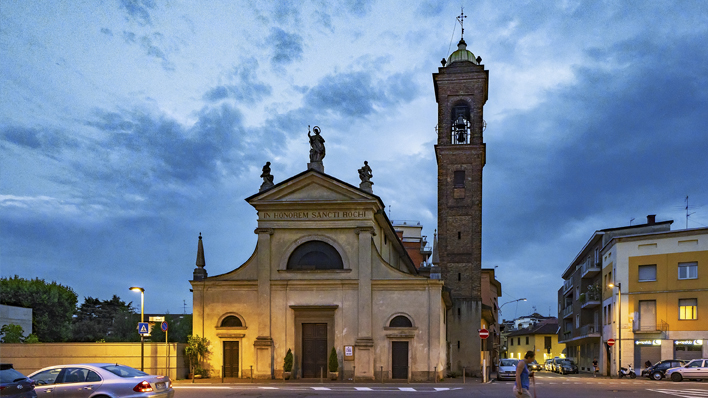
x: 689, y: 393
x: 321, y: 388
x: 410, y: 389
x: 442, y: 388
x: 363, y: 388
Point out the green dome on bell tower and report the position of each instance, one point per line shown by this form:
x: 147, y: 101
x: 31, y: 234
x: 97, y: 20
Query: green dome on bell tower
x: 462, y: 54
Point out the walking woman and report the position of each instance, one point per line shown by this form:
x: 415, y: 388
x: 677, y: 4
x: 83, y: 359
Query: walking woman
x: 521, y: 387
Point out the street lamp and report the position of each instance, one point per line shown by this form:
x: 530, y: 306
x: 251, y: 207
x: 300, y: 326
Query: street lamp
x: 619, y: 319
x: 142, y: 319
x: 500, y: 310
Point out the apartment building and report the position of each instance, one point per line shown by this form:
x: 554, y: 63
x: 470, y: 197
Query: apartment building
x: 655, y: 296
x: 580, y: 300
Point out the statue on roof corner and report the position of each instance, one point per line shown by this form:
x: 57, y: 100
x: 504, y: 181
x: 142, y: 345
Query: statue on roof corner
x: 267, y: 177
x: 317, y: 148
x: 365, y: 173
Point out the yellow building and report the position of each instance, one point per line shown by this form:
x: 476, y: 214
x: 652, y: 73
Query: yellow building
x: 660, y: 294
x: 541, y: 338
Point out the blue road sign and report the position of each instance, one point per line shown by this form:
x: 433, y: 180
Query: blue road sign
x: 164, y: 326
x: 143, y: 328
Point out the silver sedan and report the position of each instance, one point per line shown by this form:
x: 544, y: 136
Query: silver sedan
x: 106, y: 380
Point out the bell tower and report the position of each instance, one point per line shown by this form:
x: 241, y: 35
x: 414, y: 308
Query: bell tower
x: 461, y: 89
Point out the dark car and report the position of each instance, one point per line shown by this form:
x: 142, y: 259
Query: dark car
x: 658, y: 370
x: 567, y: 366
x: 14, y: 384
x: 556, y: 364
x: 535, y: 366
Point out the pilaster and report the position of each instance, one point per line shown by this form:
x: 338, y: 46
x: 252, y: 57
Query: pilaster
x: 364, y: 345
x: 263, y: 345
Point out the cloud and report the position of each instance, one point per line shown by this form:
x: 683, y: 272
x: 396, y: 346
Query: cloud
x: 245, y: 87
x: 358, y: 94
x: 107, y: 31
x: 138, y: 10
x: 287, y: 47
x: 358, y: 8
x: 430, y: 8
x: 47, y: 140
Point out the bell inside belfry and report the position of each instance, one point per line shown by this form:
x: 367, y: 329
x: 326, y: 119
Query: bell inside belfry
x: 460, y: 130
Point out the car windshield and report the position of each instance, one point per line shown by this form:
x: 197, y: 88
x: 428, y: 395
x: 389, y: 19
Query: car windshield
x: 568, y: 363
x: 508, y: 362
x: 124, y: 371
x: 10, y: 375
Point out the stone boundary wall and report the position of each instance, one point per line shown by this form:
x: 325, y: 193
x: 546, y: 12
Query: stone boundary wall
x: 27, y: 358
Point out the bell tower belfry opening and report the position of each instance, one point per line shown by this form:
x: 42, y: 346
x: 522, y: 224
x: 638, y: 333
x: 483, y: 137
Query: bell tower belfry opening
x: 461, y: 90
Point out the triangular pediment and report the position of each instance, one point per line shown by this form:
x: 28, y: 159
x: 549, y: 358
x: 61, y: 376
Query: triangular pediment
x: 312, y: 186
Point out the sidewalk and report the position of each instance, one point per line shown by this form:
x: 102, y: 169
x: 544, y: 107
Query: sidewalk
x: 233, y: 380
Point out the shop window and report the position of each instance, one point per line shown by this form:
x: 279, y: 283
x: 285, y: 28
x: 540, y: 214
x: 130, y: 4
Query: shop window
x: 688, y: 309
x: 647, y: 273
x: 688, y: 270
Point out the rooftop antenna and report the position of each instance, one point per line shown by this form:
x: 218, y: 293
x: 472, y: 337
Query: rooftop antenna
x: 389, y: 212
x: 630, y: 221
x: 461, y: 20
x: 184, y: 307
x: 687, y: 213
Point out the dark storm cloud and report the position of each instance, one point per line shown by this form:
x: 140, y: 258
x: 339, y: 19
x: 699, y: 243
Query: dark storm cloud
x: 357, y: 94
x: 46, y: 140
x: 287, y: 47
x: 625, y: 140
x: 246, y: 86
x: 358, y: 8
x: 138, y: 10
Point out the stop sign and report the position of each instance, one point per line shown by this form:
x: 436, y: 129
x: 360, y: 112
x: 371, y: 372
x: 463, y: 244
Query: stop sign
x: 611, y: 342
x: 484, y: 333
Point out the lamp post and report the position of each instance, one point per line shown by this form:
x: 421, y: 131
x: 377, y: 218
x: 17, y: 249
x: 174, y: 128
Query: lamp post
x: 500, y: 310
x: 142, y: 319
x: 619, y: 320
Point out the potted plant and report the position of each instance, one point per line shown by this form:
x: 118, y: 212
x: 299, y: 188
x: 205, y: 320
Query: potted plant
x: 288, y: 365
x: 333, y: 365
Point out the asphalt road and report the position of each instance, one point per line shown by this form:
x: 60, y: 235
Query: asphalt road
x: 547, y: 386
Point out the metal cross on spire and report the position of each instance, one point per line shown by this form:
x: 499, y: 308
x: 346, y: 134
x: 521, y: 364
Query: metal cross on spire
x: 461, y: 20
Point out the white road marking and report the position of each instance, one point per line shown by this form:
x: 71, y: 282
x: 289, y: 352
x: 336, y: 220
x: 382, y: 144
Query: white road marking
x: 411, y: 389
x: 321, y: 388
x: 689, y: 393
x: 363, y: 389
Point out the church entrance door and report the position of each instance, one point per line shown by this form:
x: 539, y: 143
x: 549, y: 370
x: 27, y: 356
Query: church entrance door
x: 230, y: 358
x: 399, y: 359
x: 314, y: 349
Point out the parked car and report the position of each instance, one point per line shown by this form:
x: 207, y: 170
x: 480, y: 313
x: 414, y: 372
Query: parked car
x: 14, y: 384
x: 507, y: 369
x: 104, y: 379
x: 547, y: 364
x: 695, y: 369
x: 567, y: 366
x: 535, y: 366
x: 658, y: 370
x: 555, y: 365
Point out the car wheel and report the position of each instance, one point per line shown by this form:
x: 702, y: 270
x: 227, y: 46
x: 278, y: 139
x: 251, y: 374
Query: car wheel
x: 657, y: 376
x: 676, y: 376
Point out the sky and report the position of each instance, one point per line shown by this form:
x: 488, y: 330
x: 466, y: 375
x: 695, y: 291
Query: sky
x: 127, y: 127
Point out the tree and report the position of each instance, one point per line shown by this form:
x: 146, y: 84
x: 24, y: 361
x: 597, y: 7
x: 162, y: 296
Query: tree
x: 97, y: 320
x: 333, y: 361
x: 52, y: 304
x: 180, y: 327
x: 196, y: 350
x: 11, y: 333
x: 288, y: 362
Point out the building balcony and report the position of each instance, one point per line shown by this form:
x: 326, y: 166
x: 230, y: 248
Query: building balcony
x: 567, y: 312
x: 567, y: 286
x: 589, y: 269
x: 588, y: 331
x: 660, y: 327
x: 590, y: 303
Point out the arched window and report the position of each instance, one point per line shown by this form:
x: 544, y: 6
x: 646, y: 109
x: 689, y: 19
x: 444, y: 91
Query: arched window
x: 315, y: 255
x: 231, y: 322
x: 400, y: 321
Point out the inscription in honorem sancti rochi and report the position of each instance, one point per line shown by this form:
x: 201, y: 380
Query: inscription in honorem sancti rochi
x: 312, y: 215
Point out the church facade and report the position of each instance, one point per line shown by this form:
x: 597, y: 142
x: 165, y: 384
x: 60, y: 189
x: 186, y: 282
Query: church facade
x: 328, y: 270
